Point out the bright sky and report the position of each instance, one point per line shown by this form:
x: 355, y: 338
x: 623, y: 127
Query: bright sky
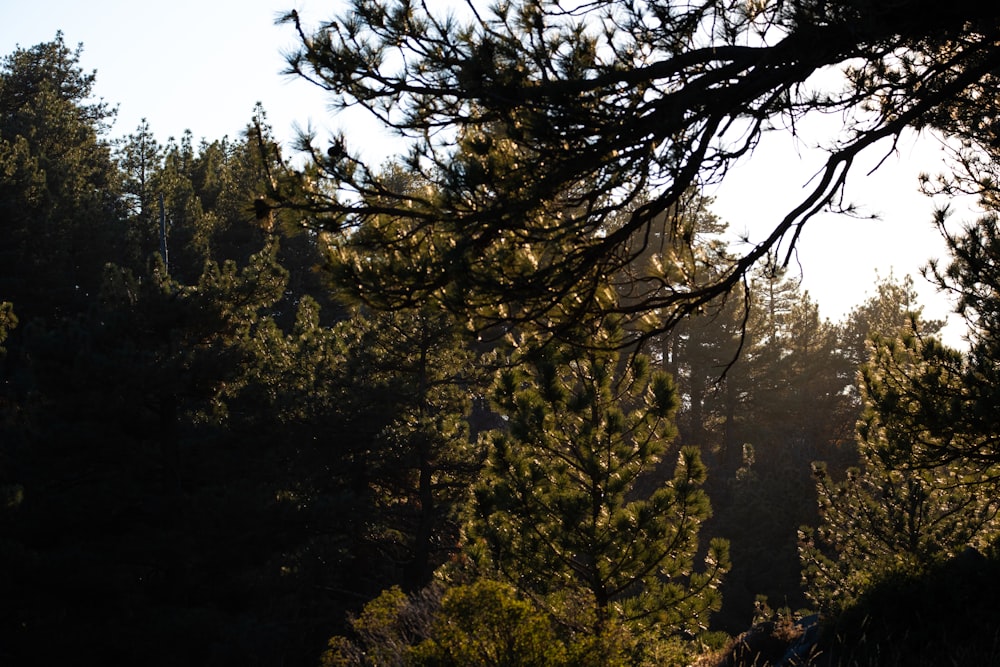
x: 185, y: 64
x: 842, y: 257
x: 203, y: 65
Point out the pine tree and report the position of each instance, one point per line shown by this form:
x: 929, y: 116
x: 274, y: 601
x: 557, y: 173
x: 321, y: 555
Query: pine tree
x: 59, y: 210
x: 407, y: 383
x: 962, y: 423
x: 556, y: 512
x: 883, y: 313
x: 886, y: 518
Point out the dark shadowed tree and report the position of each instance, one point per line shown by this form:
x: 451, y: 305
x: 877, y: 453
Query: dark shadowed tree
x: 408, y: 382
x: 59, y: 211
x: 140, y: 157
x: 760, y: 420
x: 130, y: 515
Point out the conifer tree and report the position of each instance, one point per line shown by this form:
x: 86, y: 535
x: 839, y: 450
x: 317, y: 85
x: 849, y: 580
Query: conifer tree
x: 407, y: 382
x: 59, y: 212
x: 962, y: 423
x: 883, y: 313
x: 888, y: 518
x: 558, y: 513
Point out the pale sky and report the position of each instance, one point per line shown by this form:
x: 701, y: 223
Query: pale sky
x: 203, y: 65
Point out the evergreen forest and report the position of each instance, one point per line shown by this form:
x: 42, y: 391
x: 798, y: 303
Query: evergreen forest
x: 510, y: 398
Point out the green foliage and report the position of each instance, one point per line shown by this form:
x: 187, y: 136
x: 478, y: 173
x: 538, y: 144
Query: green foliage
x: 483, y: 623
x: 385, y: 631
x: 289, y: 378
x: 486, y: 624
x: 883, y: 314
x: 183, y: 345
x: 887, y: 519
x: 555, y: 511
x: 954, y: 398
